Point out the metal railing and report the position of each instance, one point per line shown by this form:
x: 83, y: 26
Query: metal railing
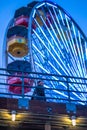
x: 57, y: 88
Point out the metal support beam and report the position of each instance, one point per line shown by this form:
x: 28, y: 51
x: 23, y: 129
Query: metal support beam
x: 47, y: 126
x: 36, y: 106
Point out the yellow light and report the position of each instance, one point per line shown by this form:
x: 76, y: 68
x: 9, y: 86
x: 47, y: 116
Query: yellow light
x: 13, y: 115
x: 73, y: 118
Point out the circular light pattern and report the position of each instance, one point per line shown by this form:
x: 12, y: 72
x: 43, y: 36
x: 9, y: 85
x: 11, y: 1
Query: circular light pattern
x: 57, y: 48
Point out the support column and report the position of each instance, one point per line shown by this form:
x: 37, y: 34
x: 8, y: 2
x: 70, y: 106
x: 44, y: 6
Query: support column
x: 47, y: 126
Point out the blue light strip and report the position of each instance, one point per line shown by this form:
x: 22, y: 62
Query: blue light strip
x: 57, y: 92
x: 50, y: 35
x: 51, y: 5
x: 80, y: 65
x: 55, y: 33
x: 48, y: 71
x: 61, y: 30
x: 56, y: 71
x: 74, y: 52
x: 33, y: 15
x: 65, y: 39
x: 40, y: 5
x: 64, y: 94
x: 56, y: 28
x: 77, y: 50
x: 47, y: 49
x: 38, y: 51
x: 50, y: 42
x: 53, y: 20
x: 62, y: 20
x: 53, y: 29
x: 61, y: 17
x: 81, y: 54
x: 75, y: 69
x: 54, y: 67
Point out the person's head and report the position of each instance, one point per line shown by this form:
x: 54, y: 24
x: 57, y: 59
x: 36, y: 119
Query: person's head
x: 40, y: 83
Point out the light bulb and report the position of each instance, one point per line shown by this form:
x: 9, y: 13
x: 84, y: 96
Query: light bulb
x: 13, y: 115
x: 73, y: 118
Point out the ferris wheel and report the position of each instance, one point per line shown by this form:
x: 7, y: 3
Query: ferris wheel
x: 43, y: 38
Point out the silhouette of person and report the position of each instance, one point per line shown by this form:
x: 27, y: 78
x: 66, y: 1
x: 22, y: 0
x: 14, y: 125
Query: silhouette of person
x: 39, y: 93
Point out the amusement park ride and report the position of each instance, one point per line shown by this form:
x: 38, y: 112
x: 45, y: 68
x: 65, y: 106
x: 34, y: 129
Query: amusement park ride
x: 43, y: 79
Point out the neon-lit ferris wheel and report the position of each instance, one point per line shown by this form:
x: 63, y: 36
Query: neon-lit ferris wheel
x: 43, y: 38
